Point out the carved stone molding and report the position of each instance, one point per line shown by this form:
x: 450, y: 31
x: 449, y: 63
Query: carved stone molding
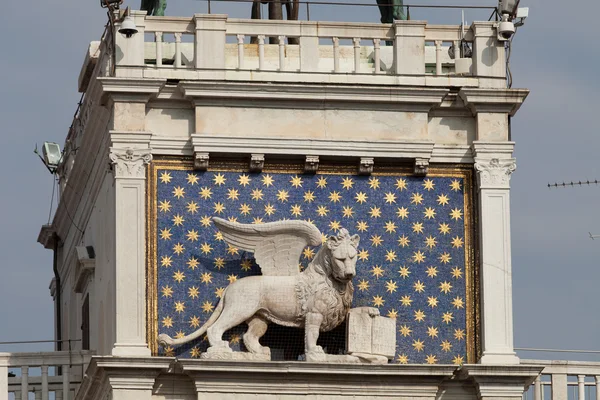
x: 201, y: 161
x: 311, y: 164
x: 365, y: 167
x: 495, y: 173
x: 257, y: 162
x: 130, y: 163
x: 421, y: 166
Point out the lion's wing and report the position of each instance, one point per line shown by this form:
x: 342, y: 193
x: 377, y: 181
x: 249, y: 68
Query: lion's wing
x: 277, y: 246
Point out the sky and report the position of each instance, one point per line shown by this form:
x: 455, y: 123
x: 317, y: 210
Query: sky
x: 555, y: 264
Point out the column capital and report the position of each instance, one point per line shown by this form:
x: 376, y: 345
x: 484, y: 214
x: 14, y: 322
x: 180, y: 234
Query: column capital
x: 494, y: 173
x: 130, y: 163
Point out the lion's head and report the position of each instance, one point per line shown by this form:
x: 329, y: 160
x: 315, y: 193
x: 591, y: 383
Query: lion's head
x: 343, y: 250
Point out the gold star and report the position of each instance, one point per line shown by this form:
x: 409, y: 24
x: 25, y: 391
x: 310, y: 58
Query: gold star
x: 308, y: 253
x: 419, y: 316
x: 257, y: 194
x: 376, y: 240
x: 457, y: 242
x: 418, y: 257
x: 219, y: 262
x: 390, y: 198
x: 296, y: 210
x: 445, y: 287
x: 361, y: 197
x: 165, y: 234
x: 363, y: 255
x: 375, y: 212
x: 167, y: 322
x: 231, y: 278
x: 377, y: 271
x: 428, y: 184
x: 192, y: 263
x: 206, y: 277
x: 432, y: 332
x: 405, y: 330
x: 347, y: 183
x: 432, y: 272
x: 334, y: 196
x: 192, y: 235
x: 219, y: 179
x: 430, y: 242
x: 431, y: 359
x: 194, y: 322
x: 459, y: 334
x: 429, y: 213
x: 245, y: 209
x: 393, y: 314
x: 205, y: 193
x: 348, y: 212
x: 232, y: 250
x: 455, y: 185
x: 323, y: 238
x: 335, y: 226
x: 458, y: 360
x: 219, y: 236
x: 418, y: 345
x: 205, y: 221
x: 402, y: 212
x: 446, y: 346
x: 432, y: 301
x: 246, y: 265
x: 244, y: 180
x: 219, y: 208
x: 390, y: 255
x: 296, y: 181
x: 219, y: 292
x: 207, y: 306
x: 416, y: 198
x: 233, y: 194
x: 402, y: 359
x: 192, y: 207
x: 195, y: 352
x: 419, y: 286
x: 403, y: 241
x: 363, y: 285
x: 417, y: 227
x: 444, y: 229
x: 456, y: 273
x: 165, y: 177
x: 257, y: 221
x: 282, y: 195
x: 456, y: 214
x: 374, y: 183
x: 406, y: 301
x: 309, y: 196
x: 192, y: 179
x: 179, y: 276
x: 322, y: 211
x: 166, y: 261
x: 267, y: 180
x: 322, y: 183
x: 269, y: 210
x: 391, y: 286
x: 445, y: 258
x: 378, y: 301
x: 447, y: 317
x: 179, y: 192
x: 404, y: 272
x: 362, y: 226
x: 443, y: 200
x: 205, y: 248
x: 401, y: 184
x: 169, y: 351
x: 234, y: 339
x: 164, y: 206
x: 167, y: 291
x: 193, y: 292
x: 458, y: 302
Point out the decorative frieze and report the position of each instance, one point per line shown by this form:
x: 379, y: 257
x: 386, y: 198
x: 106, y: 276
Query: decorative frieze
x: 421, y: 166
x: 130, y: 163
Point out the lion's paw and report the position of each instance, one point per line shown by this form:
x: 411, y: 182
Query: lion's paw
x: 220, y: 347
x: 316, y: 356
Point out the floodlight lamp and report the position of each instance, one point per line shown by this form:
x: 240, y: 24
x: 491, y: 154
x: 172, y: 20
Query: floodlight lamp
x: 52, y: 154
x: 507, y: 7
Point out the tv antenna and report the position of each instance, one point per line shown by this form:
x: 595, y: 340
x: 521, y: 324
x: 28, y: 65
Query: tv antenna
x: 573, y: 184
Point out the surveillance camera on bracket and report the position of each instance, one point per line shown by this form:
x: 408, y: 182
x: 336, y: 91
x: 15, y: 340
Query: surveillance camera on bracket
x: 506, y: 29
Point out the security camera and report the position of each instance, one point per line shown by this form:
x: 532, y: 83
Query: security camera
x: 506, y: 29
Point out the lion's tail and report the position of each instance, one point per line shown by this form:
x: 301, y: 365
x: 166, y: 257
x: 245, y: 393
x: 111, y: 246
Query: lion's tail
x: 165, y: 339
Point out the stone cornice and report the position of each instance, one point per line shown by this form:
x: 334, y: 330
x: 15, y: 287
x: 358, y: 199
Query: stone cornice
x: 493, y: 100
x: 130, y: 89
x: 47, y: 237
x: 501, y: 381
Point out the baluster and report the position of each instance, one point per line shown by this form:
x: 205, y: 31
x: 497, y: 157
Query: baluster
x: 336, y: 54
x: 44, y: 382
x: 66, y: 382
x: 24, y: 383
x: 17, y: 394
x: 438, y: 57
x: 537, y: 391
x: 281, y: 41
x: 261, y: 52
x: 177, y: 51
x: 581, y: 386
x: 376, y: 56
x: 58, y: 395
x: 597, y: 387
x: 240, y: 42
x: 356, y: 42
x: 37, y: 394
x: 159, y: 48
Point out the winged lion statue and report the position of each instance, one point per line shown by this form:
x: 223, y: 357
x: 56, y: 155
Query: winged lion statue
x: 316, y: 299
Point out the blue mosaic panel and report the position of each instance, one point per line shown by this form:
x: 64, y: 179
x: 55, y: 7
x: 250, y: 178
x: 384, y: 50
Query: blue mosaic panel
x: 411, y: 262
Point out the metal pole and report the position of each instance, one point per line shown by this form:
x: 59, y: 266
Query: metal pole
x: 307, y: 11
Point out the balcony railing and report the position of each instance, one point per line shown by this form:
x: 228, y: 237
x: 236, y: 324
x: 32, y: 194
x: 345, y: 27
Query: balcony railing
x: 565, y: 380
x: 48, y: 375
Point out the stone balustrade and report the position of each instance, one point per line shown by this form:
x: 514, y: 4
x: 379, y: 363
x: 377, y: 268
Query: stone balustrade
x: 565, y: 380
x: 59, y: 373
